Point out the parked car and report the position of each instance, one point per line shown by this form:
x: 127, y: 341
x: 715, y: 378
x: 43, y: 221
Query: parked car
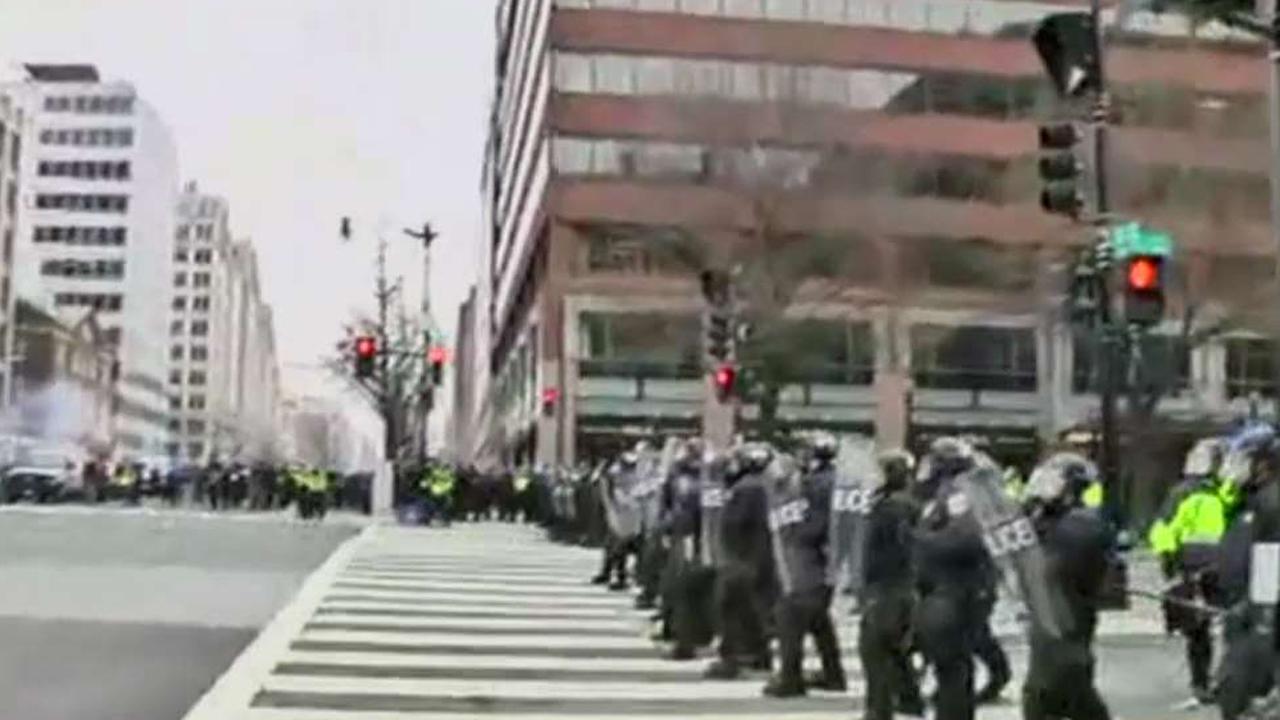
x: 41, y: 484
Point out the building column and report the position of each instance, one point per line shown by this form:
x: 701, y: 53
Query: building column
x: 562, y: 242
x: 892, y: 379
x: 1053, y: 343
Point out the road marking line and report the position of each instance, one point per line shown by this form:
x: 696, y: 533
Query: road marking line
x: 515, y: 623
x: 234, y: 689
x: 520, y: 640
x: 516, y: 689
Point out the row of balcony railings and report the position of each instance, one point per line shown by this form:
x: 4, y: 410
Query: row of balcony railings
x: 643, y: 375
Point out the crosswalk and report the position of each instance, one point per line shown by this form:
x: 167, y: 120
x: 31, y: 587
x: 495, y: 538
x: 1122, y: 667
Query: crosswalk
x: 479, y: 621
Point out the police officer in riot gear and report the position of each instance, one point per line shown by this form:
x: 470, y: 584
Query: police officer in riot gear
x: 623, y: 519
x: 1185, y: 537
x: 1076, y: 544
x: 744, y: 580
x: 887, y: 594
x: 1251, y: 464
x: 799, y: 518
x: 952, y: 574
x: 680, y: 495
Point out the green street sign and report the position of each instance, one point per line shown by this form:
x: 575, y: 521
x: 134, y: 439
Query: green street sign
x: 1132, y: 238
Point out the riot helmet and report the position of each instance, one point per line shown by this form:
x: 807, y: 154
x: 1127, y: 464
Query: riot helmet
x: 1251, y: 456
x: 691, y: 452
x: 1058, y: 482
x: 823, y: 448
x: 947, y: 458
x: 896, y: 467
x: 1205, y: 459
x: 628, y: 460
x: 753, y: 457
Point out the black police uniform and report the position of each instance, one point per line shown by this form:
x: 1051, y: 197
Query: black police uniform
x: 1059, y: 683
x: 744, y: 580
x: 799, y: 523
x: 688, y: 620
x: 952, y: 566
x: 888, y: 603
x: 1249, y: 650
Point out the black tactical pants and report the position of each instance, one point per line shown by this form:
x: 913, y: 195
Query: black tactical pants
x: 988, y: 649
x: 615, y: 554
x: 691, y: 598
x: 1245, y: 670
x: 650, y: 563
x: 945, y: 621
x: 884, y: 638
x: 807, y: 612
x: 1194, y: 625
x: 743, y: 605
x: 1059, y: 683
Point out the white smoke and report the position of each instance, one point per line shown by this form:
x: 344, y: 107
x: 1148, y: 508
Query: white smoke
x: 60, y: 412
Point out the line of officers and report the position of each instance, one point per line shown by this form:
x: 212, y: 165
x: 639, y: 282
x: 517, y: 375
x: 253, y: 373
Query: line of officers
x: 747, y: 546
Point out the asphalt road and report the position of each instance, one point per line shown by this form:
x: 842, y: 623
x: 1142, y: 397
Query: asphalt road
x: 108, y: 614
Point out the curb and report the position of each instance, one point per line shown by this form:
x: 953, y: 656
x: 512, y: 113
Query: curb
x: 235, y: 689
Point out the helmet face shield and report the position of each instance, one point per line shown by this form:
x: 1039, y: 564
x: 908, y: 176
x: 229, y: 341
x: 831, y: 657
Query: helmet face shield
x: 1203, y: 459
x: 1237, y: 467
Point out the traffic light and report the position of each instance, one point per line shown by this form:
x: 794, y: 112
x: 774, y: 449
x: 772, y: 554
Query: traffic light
x: 1067, y: 44
x: 366, y: 351
x: 437, y: 356
x: 1060, y: 170
x: 550, y: 396
x: 1144, y: 289
x: 726, y: 376
x: 720, y: 333
x: 716, y: 287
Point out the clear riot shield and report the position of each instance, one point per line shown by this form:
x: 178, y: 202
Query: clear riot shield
x: 857, y: 476
x: 1011, y: 539
x: 711, y: 509
x: 787, y: 509
x: 649, y: 492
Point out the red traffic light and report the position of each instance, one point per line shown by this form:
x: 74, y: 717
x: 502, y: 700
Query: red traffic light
x: 437, y: 355
x: 724, y: 378
x: 1144, y: 274
x: 550, y: 395
x: 366, y: 346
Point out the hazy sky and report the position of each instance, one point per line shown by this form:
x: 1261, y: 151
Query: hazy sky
x: 299, y: 112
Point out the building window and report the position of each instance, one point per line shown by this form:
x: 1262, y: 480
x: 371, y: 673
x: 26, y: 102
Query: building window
x: 204, y: 232
x: 203, y: 257
x: 175, y: 377
x: 195, y: 450
x: 180, y: 256
x: 656, y: 345
x: 197, y: 377
x: 86, y: 170
x: 201, y: 303
x: 199, y: 352
x: 78, y: 235
x: 180, y: 302
x: 175, y: 425
x: 175, y: 402
x: 973, y: 358
x: 92, y: 137
x: 176, y: 327
x: 1250, y: 367
x: 201, y: 279
x: 105, y: 302
x: 183, y: 232
x: 200, y: 328
x: 95, y: 269
x: 83, y: 203
x: 196, y: 402
x: 176, y: 352
x: 111, y: 336
x: 179, y: 279
x: 195, y: 427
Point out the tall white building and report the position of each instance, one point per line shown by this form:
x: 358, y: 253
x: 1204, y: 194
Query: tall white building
x: 223, y: 374
x: 98, y: 181
x: 197, y: 357
x: 10, y: 163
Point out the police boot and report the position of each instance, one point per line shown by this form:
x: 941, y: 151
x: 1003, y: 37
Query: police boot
x: 682, y: 652
x: 819, y: 681
x: 778, y: 688
x: 619, y: 585
x: 990, y: 693
x: 721, y: 670
x: 600, y: 578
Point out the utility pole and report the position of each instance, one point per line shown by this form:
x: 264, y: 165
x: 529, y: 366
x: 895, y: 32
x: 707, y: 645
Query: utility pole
x: 1109, y: 356
x: 427, y: 235
x: 387, y: 394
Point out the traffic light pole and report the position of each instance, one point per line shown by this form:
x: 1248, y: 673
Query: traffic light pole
x: 1109, y: 447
